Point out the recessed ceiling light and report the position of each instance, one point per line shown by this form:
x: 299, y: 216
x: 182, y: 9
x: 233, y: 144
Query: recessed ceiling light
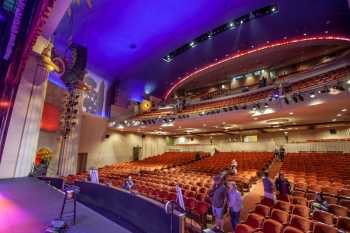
x: 291, y: 113
x: 344, y: 110
x: 255, y: 118
x: 339, y: 115
x: 334, y: 120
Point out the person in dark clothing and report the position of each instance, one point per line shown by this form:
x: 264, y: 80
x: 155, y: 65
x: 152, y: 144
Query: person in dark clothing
x: 218, y: 195
x: 282, y: 185
x: 198, y: 156
x: 268, y: 187
x: 319, y: 203
x: 282, y: 152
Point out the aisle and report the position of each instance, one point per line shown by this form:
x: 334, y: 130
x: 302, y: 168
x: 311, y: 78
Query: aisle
x: 254, y: 196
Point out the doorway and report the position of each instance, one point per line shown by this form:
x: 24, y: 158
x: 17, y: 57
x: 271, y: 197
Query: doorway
x: 82, y: 161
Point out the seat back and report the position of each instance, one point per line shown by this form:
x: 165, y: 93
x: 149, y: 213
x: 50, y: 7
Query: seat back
x: 324, y: 228
x: 299, y: 201
x: 344, y: 224
x: 301, y: 223
x: 337, y: 210
x: 323, y: 217
x: 282, y: 205
x: 262, y: 210
x: 292, y: 230
x: 301, y: 210
x: 272, y: 226
x: 254, y: 220
x: 280, y: 216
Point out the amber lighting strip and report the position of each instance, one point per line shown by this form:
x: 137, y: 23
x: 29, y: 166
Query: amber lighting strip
x: 247, y: 52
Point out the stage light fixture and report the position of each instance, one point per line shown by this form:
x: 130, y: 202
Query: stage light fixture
x: 312, y: 95
x: 192, y: 44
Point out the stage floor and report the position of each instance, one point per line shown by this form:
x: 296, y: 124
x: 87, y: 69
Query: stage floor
x: 28, y: 205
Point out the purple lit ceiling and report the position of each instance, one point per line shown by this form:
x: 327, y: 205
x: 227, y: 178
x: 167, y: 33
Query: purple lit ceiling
x: 126, y: 40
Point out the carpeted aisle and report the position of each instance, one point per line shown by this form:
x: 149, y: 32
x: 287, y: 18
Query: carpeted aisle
x: 254, y: 196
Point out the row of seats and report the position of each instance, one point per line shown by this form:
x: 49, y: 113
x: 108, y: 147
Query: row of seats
x: 194, y: 177
x: 316, y: 172
x: 294, y: 216
x: 309, y: 173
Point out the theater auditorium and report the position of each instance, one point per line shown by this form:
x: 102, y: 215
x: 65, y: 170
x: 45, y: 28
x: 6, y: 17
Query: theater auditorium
x: 162, y: 116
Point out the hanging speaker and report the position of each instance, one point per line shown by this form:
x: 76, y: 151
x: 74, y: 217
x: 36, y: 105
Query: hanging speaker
x: 76, y: 60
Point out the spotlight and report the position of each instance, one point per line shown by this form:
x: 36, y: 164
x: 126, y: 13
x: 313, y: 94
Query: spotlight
x: 312, y: 95
x: 241, y: 22
x: 192, y: 44
x: 231, y: 25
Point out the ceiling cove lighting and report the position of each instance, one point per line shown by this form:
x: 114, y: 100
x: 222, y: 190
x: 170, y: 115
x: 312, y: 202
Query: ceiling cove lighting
x: 255, y: 50
x: 232, y: 24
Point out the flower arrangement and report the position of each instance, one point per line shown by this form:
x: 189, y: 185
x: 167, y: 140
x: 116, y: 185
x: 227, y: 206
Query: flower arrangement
x: 41, y: 163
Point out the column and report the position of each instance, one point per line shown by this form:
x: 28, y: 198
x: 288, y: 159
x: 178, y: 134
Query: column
x: 23, y: 132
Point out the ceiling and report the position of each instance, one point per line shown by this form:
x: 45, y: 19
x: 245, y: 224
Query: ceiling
x: 324, y: 108
x: 279, y: 56
x: 126, y: 40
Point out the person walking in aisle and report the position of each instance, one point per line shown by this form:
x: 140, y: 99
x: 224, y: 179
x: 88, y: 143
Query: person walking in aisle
x: 234, y: 204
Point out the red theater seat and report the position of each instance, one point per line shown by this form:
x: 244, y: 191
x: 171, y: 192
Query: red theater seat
x: 324, y: 228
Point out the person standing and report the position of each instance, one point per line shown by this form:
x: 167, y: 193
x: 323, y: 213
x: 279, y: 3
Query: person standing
x: 234, y: 204
x: 218, y: 196
x: 282, y: 185
x: 129, y: 184
x: 268, y: 187
x: 282, y: 152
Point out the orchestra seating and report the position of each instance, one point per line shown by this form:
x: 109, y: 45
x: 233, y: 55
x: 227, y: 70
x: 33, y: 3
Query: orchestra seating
x: 158, y: 175
x: 310, y: 173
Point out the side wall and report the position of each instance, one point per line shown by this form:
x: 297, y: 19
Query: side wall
x: 116, y: 147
